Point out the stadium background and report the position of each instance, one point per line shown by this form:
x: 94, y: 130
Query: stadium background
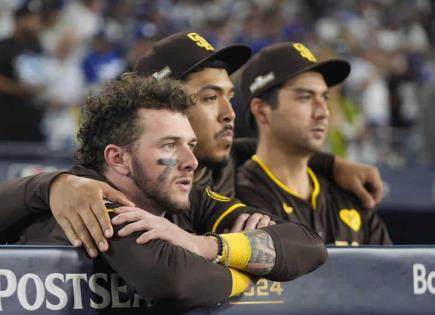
x: 381, y: 115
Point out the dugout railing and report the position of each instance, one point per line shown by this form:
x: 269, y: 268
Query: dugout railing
x: 362, y: 280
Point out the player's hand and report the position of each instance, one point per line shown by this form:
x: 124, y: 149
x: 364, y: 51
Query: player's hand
x: 246, y: 222
x: 78, y: 206
x: 157, y: 227
x: 361, y: 179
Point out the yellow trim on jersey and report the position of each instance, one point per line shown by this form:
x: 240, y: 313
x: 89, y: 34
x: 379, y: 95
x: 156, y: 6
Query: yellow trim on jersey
x: 228, y: 211
x: 241, y: 282
x: 346, y: 243
x: 341, y: 243
x: 216, y: 196
x: 287, y: 209
x: 316, y: 186
x: 110, y: 210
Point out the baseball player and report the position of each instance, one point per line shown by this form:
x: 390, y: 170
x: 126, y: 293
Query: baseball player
x: 77, y: 203
x: 287, y: 90
x: 178, y: 267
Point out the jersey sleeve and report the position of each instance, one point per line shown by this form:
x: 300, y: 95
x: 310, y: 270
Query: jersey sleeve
x: 167, y: 274
x: 214, y: 212
x: 299, y: 250
x: 22, y: 199
x: 377, y: 233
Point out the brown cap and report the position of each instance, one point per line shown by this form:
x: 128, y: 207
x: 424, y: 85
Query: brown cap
x: 277, y: 63
x: 178, y: 54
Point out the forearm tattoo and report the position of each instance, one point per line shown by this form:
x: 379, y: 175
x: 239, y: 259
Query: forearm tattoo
x: 263, y: 253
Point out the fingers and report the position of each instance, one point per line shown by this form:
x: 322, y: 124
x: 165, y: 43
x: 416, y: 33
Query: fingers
x: 131, y: 209
x: 165, y: 235
x: 77, y: 205
x: 138, y: 219
x: 93, y: 227
x: 137, y: 226
x: 99, y: 210
x: 129, y: 216
x: 83, y: 234
x: 123, y: 209
x: 377, y: 186
x: 253, y: 220
x: 246, y: 222
x: 378, y: 194
x: 69, y: 232
x: 240, y: 223
x: 115, y: 196
x: 363, y: 194
x: 147, y: 236
x: 76, y: 232
x: 264, y: 221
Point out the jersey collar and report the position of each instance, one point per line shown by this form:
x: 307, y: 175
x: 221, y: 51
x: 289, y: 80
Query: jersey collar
x: 314, y: 180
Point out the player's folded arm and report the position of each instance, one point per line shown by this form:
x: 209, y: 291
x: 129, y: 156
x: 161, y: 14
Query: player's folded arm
x: 299, y: 250
x: 279, y: 252
x: 163, y: 273
x: 23, y: 198
x: 214, y: 212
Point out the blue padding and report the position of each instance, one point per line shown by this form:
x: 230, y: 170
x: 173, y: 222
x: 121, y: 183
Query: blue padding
x: 62, y: 280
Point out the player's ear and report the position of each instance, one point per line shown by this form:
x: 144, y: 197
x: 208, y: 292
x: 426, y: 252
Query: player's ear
x: 261, y: 111
x: 118, y: 159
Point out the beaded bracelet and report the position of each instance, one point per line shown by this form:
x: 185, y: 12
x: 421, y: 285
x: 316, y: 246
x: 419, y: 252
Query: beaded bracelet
x: 220, y: 244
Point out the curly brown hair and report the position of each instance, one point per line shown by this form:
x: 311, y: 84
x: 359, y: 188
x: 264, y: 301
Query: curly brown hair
x: 112, y: 116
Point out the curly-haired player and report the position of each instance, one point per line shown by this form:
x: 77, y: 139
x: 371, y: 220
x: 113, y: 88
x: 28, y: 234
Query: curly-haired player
x: 154, y: 167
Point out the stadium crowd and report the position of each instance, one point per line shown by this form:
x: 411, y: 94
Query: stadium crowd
x: 174, y: 168
x: 381, y: 115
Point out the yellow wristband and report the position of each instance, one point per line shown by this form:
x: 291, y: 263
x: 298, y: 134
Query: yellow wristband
x: 239, y: 251
x: 241, y: 282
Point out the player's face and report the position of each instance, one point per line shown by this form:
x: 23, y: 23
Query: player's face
x: 162, y: 159
x: 212, y: 116
x: 301, y: 120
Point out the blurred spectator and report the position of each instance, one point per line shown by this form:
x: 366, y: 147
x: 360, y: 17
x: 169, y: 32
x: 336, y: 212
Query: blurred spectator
x: 83, y: 18
x: 7, y: 9
x: 75, y: 26
x: 379, y: 114
x: 119, y: 22
x: 103, y: 62
x: 144, y: 36
x: 65, y: 87
x: 22, y: 76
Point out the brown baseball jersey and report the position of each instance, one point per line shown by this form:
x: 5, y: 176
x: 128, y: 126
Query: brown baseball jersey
x: 335, y: 214
x: 160, y: 272
x: 223, y: 179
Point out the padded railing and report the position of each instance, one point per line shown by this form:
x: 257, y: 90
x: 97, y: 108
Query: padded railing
x: 364, y: 280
